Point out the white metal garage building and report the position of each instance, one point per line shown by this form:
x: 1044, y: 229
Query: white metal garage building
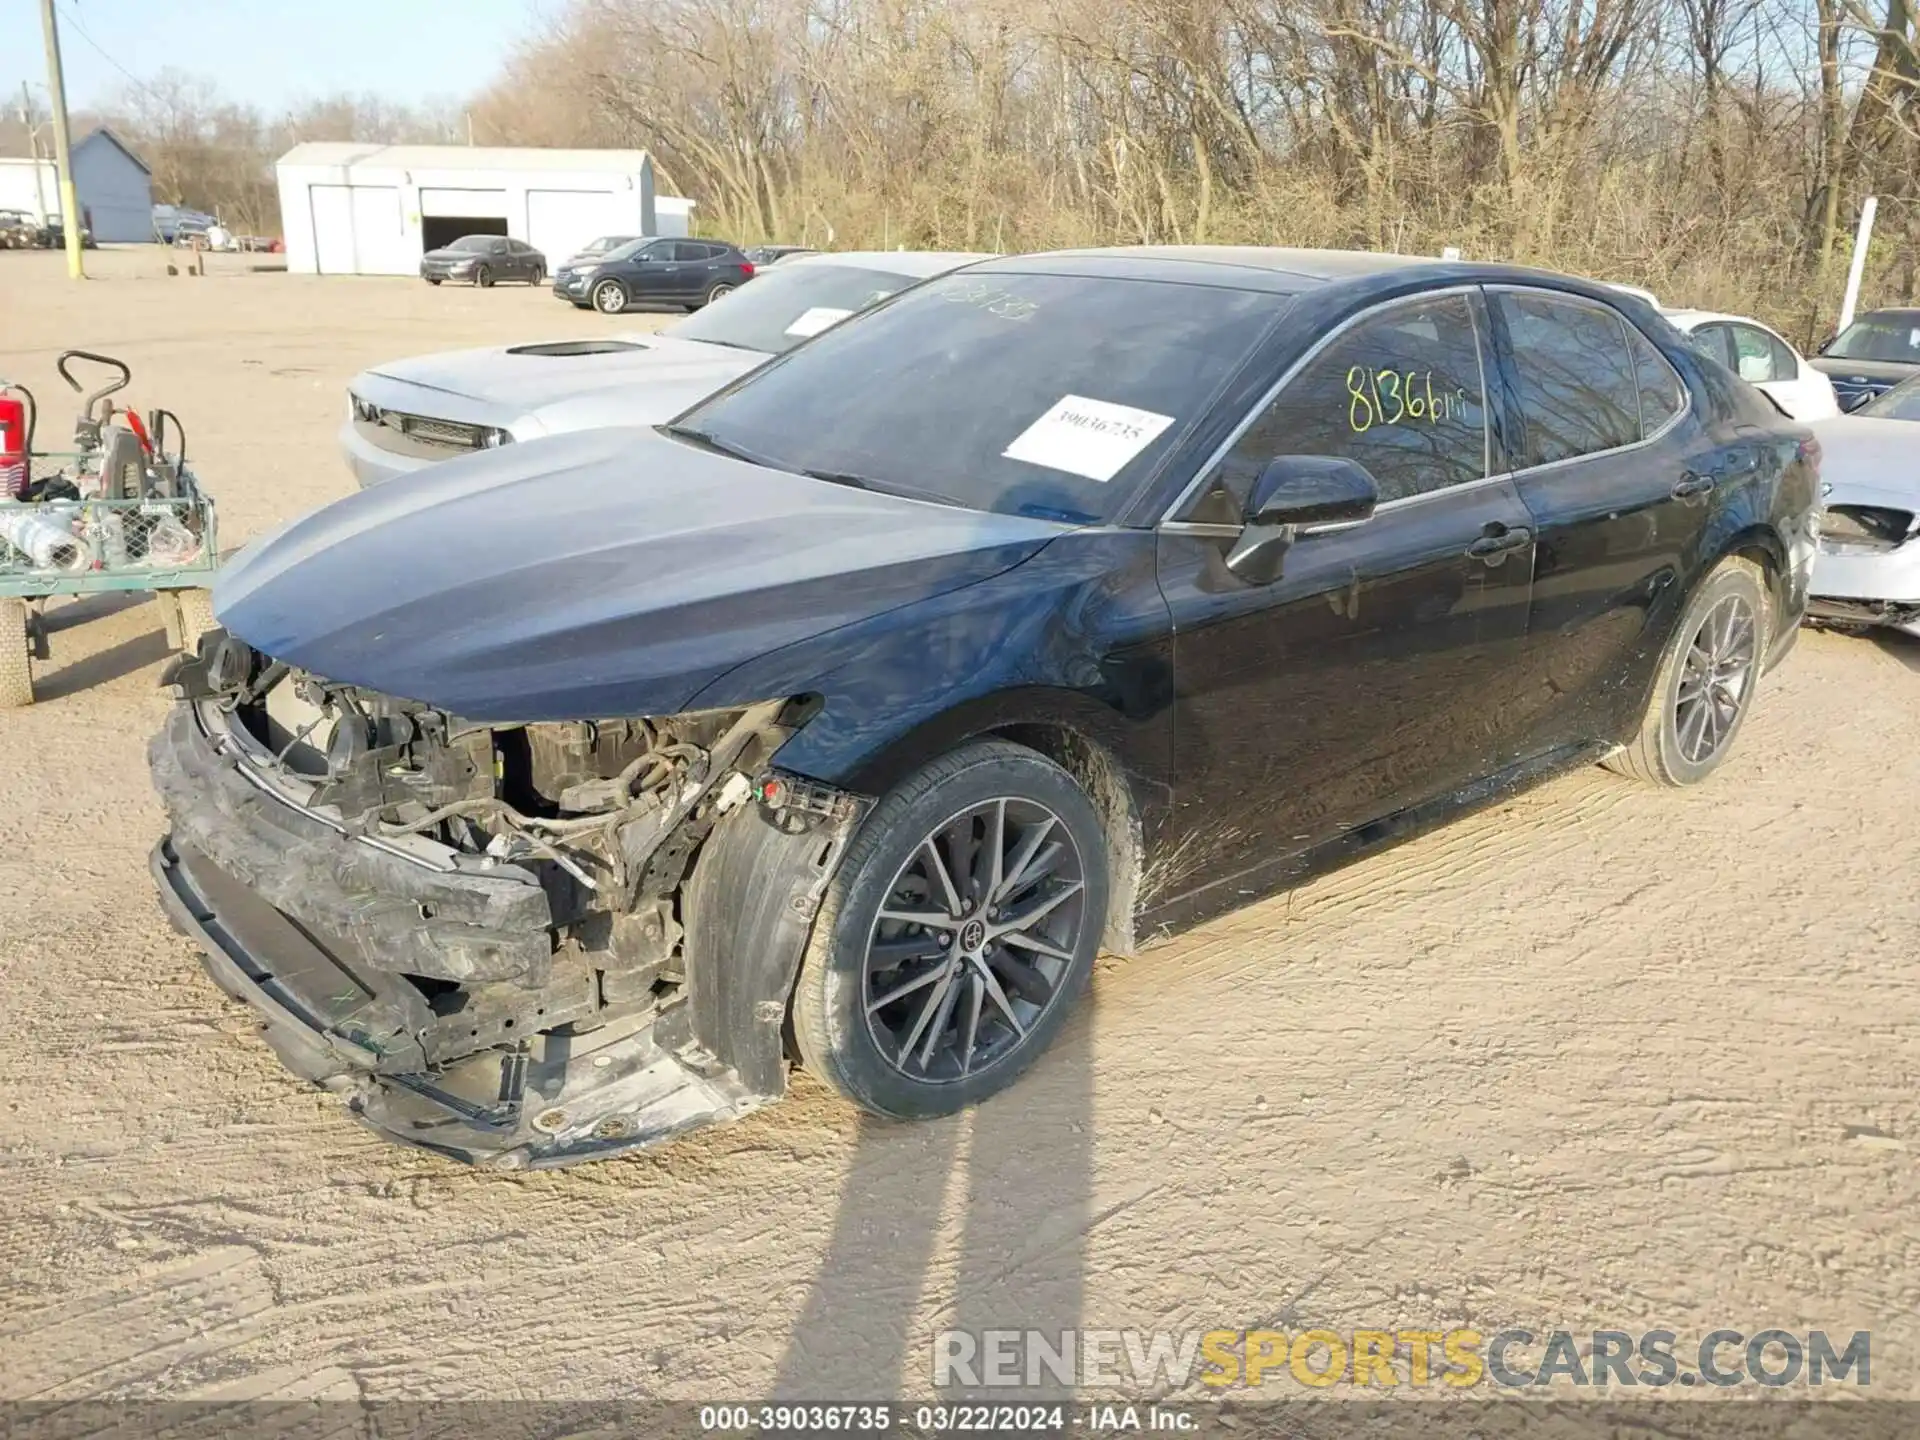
x: 350, y: 209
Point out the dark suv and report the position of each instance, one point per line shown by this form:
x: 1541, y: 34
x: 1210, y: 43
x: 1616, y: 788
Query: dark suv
x: 1871, y: 356
x: 690, y: 273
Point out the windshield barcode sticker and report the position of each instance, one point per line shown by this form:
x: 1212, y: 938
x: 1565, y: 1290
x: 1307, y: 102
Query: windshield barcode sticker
x: 812, y: 322
x: 1090, y: 438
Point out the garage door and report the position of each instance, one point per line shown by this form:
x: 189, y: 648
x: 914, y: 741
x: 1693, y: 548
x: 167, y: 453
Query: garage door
x: 559, y: 222
x: 357, y: 230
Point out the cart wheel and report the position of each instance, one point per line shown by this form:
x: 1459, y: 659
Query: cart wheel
x: 16, y: 660
x: 169, y: 616
x: 196, y: 617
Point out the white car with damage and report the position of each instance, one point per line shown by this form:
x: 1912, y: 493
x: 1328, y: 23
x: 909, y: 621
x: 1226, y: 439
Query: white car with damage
x: 1867, y: 573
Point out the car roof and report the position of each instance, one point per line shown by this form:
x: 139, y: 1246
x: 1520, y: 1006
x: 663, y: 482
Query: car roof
x: 918, y: 263
x: 1687, y: 319
x: 1284, y: 271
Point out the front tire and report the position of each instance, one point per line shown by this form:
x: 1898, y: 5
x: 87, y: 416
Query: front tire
x: 1708, y: 676
x: 483, y: 277
x: 961, y: 928
x: 609, y: 297
x: 433, y: 279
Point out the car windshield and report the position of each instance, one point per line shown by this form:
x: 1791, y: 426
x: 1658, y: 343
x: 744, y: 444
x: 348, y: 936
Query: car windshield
x: 472, y: 244
x: 785, y: 306
x: 626, y: 250
x: 1880, y: 337
x: 1054, y: 396
x: 1900, y: 403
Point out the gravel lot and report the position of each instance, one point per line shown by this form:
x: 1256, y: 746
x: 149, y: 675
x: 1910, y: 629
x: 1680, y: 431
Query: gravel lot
x: 1600, y: 1057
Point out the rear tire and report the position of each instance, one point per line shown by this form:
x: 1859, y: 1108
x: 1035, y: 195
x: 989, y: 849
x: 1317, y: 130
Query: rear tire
x: 16, y: 658
x: 982, y: 1007
x: 539, y: 276
x: 718, y: 292
x: 1705, y: 687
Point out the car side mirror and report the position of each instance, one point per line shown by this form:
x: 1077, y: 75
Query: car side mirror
x: 1297, y: 493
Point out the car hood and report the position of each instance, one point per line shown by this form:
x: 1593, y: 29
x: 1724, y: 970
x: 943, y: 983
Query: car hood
x: 497, y: 385
x: 1869, y: 459
x: 607, y: 573
x: 1875, y: 370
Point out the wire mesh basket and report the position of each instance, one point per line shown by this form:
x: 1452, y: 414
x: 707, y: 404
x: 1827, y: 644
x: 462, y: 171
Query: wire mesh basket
x: 82, y: 543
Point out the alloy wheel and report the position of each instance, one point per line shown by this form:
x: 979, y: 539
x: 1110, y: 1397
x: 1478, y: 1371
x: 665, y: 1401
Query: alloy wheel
x: 609, y: 298
x: 1716, y: 677
x: 974, y: 941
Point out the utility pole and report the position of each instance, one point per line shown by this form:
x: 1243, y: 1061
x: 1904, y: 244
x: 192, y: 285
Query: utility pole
x: 33, y: 147
x: 62, y: 148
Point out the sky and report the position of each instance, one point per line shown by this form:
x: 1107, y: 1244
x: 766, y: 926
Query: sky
x: 269, y: 53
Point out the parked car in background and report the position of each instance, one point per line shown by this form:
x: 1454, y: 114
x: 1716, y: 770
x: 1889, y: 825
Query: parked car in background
x: 1902, y: 402
x: 1872, y: 355
x: 849, y: 715
x: 1759, y: 355
x: 170, y: 220
x: 595, y: 249
x: 774, y: 254
x: 688, y: 273
x: 1868, y: 572
x: 53, y: 234
x: 411, y: 413
x: 18, y: 230
x: 482, y: 260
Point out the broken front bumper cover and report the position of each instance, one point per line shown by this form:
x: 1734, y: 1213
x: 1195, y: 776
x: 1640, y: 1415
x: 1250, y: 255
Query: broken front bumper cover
x: 553, y: 1100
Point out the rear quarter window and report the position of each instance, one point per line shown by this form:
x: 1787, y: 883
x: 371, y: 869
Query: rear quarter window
x: 1578, y: 391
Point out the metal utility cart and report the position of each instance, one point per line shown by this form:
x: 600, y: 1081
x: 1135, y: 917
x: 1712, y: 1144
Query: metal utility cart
x: 119, y: 511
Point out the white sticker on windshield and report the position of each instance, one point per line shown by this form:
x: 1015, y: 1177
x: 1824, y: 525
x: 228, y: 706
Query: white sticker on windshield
x: 1086, y: 437
x: 812, y: 322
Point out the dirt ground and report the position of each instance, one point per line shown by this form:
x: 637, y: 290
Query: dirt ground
x: 1600, y: 1057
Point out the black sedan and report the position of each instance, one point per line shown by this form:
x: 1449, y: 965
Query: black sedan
x: 685, y: 273
x: 483, y: 259
x: 1871, y: 356
x: 843, y: 720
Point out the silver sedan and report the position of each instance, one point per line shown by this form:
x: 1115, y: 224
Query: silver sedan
x: 410, y: 413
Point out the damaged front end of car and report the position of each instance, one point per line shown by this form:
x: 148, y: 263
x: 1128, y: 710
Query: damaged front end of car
x: 516, y: 944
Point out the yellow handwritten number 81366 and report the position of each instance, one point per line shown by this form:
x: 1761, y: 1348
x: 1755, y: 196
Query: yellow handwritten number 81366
x: 1393, y: 397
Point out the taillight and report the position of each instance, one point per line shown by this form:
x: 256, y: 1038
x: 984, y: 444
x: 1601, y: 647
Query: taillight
x: 13, y: 447
x: 746, y: 269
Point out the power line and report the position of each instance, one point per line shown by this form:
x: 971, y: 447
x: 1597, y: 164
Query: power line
x: 73, y: 19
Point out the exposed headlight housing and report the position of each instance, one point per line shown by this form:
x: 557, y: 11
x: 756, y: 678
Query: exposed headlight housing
x: 363, y: 410
x: 1865, y: 527
x: 493, y: 438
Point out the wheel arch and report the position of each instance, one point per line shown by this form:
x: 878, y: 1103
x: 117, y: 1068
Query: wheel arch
x: 1104, y: 752
x: 1760, y: 544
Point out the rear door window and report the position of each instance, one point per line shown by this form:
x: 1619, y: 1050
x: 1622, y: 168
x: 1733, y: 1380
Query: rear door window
x: 1758, y: 356
x: 1401, y: 392
x: 1578, y: 392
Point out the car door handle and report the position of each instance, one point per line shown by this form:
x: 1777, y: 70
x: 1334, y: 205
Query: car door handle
x: 1691, y: 484
x: 1493, y: 546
